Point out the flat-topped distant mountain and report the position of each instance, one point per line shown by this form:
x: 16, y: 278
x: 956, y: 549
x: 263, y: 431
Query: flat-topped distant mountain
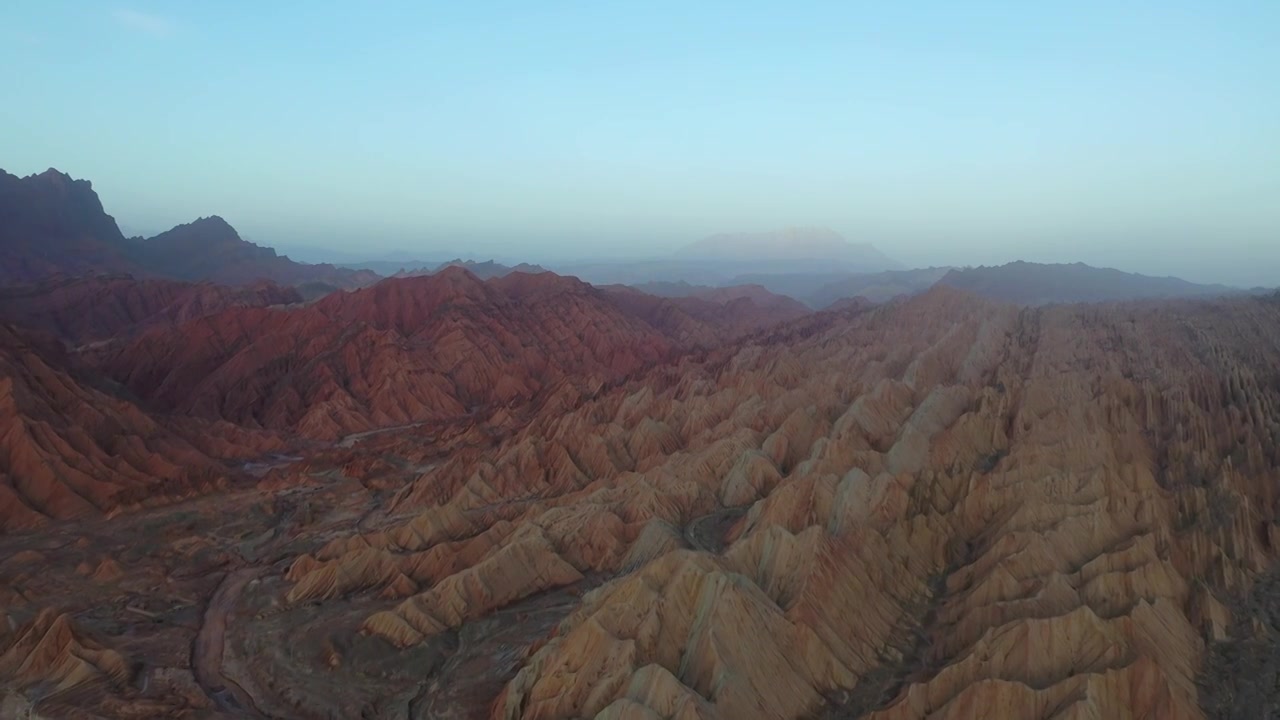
x: 54, y: 225
x: 1027, y: 283
x: 790, y: 262
x: 789, y: 250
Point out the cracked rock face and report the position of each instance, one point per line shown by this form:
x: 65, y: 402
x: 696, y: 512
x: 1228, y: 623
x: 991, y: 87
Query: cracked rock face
x: 942, y: 507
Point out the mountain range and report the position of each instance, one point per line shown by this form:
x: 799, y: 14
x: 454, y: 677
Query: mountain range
x: 790, y: 247
x: 54, y: 226
x: 51, y: 224
x: 231, y: 489
x: 1035, y: 284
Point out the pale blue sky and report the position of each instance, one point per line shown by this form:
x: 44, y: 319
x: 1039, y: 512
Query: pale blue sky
x: 1142, y: 135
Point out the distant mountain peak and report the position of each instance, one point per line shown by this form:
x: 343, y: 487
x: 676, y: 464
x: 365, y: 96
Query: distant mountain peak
x: 456, y: 273
x: 788, y: 249
x: 61, y: 184
x: 1029, y: 283
x: 805, y: 233
x: 211, y: 225
x: 210, y: 248
x: 56, y: 175
x: 484, y: 270
x: 213, y: 220
x: 789, y: 240
x: 54, y: 224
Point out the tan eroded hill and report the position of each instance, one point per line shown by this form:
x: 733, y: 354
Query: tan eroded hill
x: 945, y: 505
x: 942, y: 507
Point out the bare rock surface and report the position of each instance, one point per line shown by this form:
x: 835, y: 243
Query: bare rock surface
x: 940, y: 507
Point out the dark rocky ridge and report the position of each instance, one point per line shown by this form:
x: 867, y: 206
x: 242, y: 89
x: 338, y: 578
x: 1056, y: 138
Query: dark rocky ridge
x: 52, y: 224
x: 1027, y: 283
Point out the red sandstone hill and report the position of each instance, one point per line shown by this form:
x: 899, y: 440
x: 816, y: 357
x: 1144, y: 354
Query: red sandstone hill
x: 411, y: 350
x: 403, y: 351
x: 68, y: 450
x: 96, y: 307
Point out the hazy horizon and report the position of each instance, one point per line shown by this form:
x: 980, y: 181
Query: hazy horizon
x: 1144, y: 138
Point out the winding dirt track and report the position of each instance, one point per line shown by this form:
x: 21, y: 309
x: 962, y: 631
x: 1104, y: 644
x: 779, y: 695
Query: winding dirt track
x: 490, y: 652
x: 207, y: 650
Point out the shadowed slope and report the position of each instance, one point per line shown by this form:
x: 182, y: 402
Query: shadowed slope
x: 210, y: 249
x: 51, y: 224
x: 95, y: 308
x: 69, y: 451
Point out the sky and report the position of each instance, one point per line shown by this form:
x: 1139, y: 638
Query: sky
x: 1137, y: 135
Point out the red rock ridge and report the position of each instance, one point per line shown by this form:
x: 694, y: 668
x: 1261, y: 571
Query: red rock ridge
x: 403, y: 351
x: 97, y: 307
x: 70, y: 451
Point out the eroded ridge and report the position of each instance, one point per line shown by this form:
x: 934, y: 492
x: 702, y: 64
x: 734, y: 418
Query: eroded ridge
x: 938, y: 508
x: 956, y: 504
